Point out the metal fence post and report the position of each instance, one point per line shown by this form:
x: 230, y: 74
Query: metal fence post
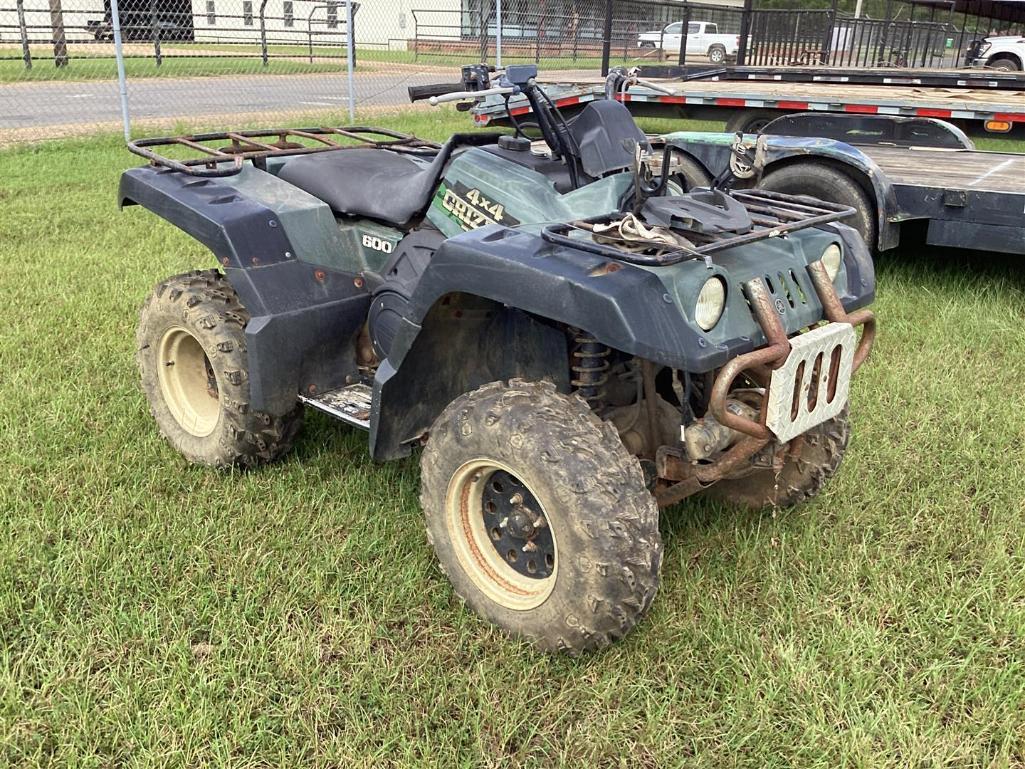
x: 26, y: 51
x: 685, y: 34
x: 263, y: 31
x: 350, y: 57
x: 606, y: 39
x: 827, y: 43
x: 119, y: 54
x: 884, y: 33
x: 155, y: 31
x: 498, y: 33
x: 745, y: 31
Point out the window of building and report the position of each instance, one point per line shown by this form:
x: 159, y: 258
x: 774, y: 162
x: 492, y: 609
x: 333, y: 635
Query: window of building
x: 247, y: 12
x: 211, y: 13
x: 289, y: 13
x: 332, y: 14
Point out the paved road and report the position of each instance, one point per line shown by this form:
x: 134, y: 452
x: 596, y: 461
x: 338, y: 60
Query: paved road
x: 39, y: 105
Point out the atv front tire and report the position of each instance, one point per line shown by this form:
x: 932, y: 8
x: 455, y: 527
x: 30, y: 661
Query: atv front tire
x: 801, y: 478
x: 540, y: 517
x: 195, y: 374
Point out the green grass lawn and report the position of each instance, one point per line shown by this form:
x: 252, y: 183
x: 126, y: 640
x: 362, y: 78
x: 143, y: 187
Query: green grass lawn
x: 12, y: 68
x: 158, y: 614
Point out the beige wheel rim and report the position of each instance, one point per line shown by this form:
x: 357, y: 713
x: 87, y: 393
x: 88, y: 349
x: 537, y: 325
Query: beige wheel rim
x: 187, y: 382
x: 474, y: 540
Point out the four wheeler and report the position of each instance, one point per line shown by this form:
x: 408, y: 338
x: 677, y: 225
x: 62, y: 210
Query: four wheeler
x: 572, y: 345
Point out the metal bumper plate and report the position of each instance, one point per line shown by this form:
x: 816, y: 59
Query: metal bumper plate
x: 813, y: 383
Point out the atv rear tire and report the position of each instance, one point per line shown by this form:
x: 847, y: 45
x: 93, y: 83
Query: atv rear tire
x: 830, y: 184
x: 540, y: 517
x: 195, y: 374
x: 800, y: 479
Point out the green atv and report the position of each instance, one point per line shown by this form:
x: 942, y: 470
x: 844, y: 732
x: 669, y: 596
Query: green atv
x: 572, y: 341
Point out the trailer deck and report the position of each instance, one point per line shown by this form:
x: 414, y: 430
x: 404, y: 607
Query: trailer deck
x: 965, y: 197
x: 962, y: 169
x: 712, y: 98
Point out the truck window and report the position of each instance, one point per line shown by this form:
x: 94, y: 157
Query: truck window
x: 674, y: 29
x: 693, y: 28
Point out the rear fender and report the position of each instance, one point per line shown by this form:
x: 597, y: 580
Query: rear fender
x: 303, y: 319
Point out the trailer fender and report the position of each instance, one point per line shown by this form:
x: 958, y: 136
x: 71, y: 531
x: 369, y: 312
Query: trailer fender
x: 864, y: 171
x: 712, y: 150
x: 303, y: 318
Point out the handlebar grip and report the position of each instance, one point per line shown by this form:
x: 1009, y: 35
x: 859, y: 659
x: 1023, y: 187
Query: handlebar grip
x: 419, y: 92
x: 463, y: 95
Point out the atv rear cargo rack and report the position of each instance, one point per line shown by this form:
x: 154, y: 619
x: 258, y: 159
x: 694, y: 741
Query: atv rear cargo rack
x: 772, y: 213
x: 258, y: 145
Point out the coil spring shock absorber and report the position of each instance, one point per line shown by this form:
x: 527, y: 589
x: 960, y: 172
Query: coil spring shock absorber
x: 590, y: 367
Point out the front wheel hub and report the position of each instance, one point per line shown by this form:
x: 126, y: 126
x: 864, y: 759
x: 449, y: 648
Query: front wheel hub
x: 502, y: 535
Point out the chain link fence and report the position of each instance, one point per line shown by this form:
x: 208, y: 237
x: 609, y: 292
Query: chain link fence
x: 202, y: 62
x: 261, y: 62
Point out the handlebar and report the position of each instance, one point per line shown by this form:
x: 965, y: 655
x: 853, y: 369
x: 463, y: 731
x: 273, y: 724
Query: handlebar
x: 419, y: 92
x: 460, y: 95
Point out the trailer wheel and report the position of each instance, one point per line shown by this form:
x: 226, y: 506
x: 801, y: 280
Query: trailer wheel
x: 539, y: 516
x: 751, y: 121
x: 826, y: 183
x: 195, y: 374
x: 689, y: 174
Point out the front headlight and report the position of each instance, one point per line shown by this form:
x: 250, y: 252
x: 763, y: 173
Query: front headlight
x: 711, y: 302
x: 832, y: 258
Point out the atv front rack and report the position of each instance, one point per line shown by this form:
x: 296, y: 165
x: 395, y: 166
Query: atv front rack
x: 258, y: 145
x: 772, y: 213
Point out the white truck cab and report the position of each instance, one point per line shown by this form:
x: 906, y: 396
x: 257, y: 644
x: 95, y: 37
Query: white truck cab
x: 703, y: 39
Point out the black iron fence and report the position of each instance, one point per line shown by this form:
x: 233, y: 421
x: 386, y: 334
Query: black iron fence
x: 693, y: 33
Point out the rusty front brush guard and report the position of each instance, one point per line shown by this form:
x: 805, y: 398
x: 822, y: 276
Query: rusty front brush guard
x: 757, y: 365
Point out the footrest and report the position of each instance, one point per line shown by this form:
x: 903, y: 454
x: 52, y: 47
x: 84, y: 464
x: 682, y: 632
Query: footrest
x: 350, y: 404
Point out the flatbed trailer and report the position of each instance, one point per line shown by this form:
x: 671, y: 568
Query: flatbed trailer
x: 747, y: 98
x: 906, y: 170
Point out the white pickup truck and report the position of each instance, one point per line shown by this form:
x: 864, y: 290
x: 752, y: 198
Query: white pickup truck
x: 1006, y: 52
x: 703, y: 39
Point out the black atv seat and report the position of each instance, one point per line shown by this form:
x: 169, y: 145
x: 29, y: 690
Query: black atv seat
x: 376, y: 183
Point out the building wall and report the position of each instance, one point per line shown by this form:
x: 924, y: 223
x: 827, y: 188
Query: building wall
x: 377, y: 23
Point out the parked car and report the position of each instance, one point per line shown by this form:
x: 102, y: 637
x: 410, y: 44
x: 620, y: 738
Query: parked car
x: 703, y: 39
x: 1006, y: 52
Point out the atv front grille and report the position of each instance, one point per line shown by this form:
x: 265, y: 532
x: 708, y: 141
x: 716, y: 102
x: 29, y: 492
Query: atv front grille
x: 773, y: 214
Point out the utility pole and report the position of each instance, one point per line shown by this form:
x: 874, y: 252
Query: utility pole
x: 60, y: 42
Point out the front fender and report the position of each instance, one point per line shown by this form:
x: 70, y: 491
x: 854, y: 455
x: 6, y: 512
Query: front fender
x: 626, y: 308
